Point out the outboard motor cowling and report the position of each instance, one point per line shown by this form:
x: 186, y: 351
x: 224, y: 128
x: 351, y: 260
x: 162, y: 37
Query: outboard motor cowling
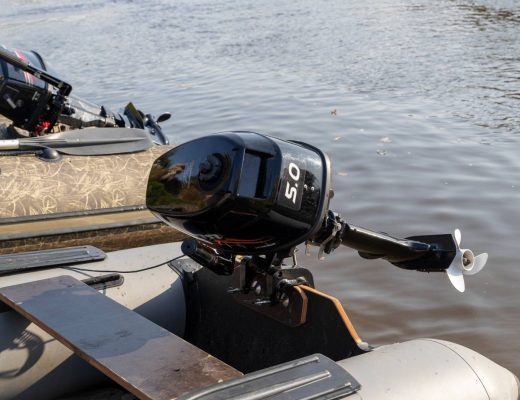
x: 242, y: 192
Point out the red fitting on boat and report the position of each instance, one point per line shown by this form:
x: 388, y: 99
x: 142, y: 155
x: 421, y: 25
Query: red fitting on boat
x: 41, y: 127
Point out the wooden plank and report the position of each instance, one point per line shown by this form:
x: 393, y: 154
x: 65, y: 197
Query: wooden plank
x: 147, y: 360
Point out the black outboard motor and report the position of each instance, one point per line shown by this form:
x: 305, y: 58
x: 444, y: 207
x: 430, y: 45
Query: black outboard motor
x: 24, y: 98
x: 243, y: 193
x: 35, y: 100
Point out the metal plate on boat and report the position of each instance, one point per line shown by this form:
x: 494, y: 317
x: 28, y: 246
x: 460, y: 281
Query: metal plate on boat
x: 20, y: 262
x: 312, y: 377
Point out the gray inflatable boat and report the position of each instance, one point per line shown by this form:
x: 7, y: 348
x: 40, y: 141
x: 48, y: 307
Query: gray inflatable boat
x: 227, y: 314
x: 38, y: 364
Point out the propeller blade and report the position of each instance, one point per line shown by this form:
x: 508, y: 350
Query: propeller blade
x: 478, y: 264
x: 456, y: 278
x: 464, y: 263
x: 458, y: 236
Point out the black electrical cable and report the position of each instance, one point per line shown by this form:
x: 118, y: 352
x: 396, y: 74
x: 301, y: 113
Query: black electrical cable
x: 124, y: 272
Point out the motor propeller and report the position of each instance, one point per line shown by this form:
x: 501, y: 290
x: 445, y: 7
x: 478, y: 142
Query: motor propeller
x: 464, y: 263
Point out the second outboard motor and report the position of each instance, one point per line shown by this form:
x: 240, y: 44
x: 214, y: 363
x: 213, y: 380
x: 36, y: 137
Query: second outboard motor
x: 36, y: 100
x: 23, y: 97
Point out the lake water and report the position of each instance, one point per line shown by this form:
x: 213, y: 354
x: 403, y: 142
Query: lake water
x: 416, y: 102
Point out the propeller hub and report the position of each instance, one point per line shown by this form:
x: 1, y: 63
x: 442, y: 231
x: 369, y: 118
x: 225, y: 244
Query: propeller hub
x: 468, y: 260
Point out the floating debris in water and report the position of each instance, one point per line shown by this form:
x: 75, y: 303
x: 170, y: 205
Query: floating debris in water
x: 333, y: 111
x: 385, y: 139
x: 381, y: 152
x: 338, y: 138
x: 342, y: 173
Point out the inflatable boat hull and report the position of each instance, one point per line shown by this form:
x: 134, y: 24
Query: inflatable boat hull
x: 95, y: 200
x: 32, y: 362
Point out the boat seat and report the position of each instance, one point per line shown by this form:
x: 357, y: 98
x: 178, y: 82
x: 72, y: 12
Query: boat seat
x: 145, y: 359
